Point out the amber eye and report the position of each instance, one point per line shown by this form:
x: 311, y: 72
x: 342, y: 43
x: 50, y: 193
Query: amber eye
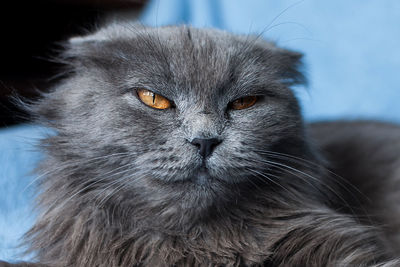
x: 243, y: 102
x: 153, y: 100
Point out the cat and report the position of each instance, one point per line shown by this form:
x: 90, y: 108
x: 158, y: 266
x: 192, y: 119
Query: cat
x: 178, y: 146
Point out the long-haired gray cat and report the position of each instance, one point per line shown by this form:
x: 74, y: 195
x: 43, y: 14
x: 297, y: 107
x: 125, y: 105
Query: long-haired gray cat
x: 177, y: 146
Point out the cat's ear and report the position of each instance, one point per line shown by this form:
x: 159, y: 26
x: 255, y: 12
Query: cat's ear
x: 85, y: 51
x: 100, y: 48
x: 288, y: 65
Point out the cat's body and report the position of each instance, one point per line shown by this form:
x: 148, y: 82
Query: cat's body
x: 127, y: 185
x: 366, y: 157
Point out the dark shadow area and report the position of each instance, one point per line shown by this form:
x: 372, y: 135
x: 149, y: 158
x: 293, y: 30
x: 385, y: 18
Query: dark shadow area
x: 31, y: 32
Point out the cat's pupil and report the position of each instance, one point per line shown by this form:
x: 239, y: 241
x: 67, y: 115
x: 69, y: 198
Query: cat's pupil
x: 243, y: 102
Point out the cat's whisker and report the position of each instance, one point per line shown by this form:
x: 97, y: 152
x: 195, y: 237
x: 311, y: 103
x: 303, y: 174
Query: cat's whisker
x: 105, y: 176
x: 94, y: 181
x: 307, y: 163
x: 249, y: 43
x: 68, y: 165
x: 101, y: 197
x: 100, y: 201
x: 117, y: 188
x: 293, y: 171
x: 267, y: 28
x: 258, y: 174
x: 340, y: 181
x: 248, y: 179
x: 270, y: 164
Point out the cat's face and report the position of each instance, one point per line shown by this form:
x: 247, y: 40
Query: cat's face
x: 201, y: 138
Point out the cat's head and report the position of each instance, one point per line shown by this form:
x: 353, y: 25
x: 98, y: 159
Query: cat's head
x: 178, y: 111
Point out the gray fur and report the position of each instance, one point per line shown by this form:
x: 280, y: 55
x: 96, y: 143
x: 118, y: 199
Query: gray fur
x: 120, y: 183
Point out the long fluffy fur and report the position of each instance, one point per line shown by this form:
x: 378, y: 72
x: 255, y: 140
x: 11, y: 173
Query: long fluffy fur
x: 117, y: 185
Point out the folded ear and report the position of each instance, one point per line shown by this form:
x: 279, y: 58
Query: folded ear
x: 103, y: 47
x: 290, y: 67
x: 92, y: 50
x: 84, y: 51
x: 287, y: 64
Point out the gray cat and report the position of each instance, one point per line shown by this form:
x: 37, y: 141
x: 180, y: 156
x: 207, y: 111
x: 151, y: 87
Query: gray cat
x: 178, y: 146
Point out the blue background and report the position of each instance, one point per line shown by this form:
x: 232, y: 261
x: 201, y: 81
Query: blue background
x: 351, y: 48
x: 351, y: 53
x: 18, y: 157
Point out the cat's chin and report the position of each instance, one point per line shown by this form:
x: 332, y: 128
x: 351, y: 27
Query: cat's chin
x: 196, y: 193
x: 200, y: 185
x: 202, y: 177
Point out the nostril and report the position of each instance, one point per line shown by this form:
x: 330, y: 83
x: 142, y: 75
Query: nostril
x: 206, y: 146
x: 196, y: 142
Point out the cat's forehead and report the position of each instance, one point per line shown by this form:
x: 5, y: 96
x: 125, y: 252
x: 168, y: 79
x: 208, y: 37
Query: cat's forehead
x: 188, y: 58
x: 188, y: 52
x: 191, y: 56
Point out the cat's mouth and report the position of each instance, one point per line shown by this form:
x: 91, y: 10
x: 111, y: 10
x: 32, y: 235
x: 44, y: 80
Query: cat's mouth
x: 201, y: 176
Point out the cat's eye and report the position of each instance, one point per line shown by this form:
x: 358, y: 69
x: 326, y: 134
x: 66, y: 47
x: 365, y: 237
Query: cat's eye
x: 243, y: 102
x: 153, y: 100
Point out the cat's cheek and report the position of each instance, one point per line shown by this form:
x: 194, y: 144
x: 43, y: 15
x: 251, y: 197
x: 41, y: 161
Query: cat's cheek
x: 173, y: 161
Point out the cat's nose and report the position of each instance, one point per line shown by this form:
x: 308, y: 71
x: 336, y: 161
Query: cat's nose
x: 206, y: 146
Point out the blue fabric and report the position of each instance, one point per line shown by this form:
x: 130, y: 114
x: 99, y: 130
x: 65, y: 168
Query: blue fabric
x: 352, y: 55
x: 351, y: 47
x: 18, y: 157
